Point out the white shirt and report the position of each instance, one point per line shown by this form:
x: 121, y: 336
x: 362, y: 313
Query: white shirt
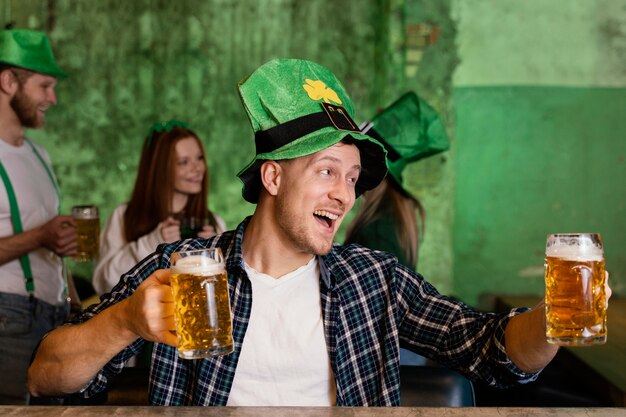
x: 38, y: 202
x: 284, y: 359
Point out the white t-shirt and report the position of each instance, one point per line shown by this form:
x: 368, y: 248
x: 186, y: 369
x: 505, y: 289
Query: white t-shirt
x: 284, y: 360
x: 38, y: 202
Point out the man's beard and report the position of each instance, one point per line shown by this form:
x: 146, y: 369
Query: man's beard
x: 26, y: 110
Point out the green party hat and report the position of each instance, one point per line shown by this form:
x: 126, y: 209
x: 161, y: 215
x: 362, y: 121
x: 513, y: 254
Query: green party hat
x: 30, y: 50
x: 410, y: 129
x: 297, y: 108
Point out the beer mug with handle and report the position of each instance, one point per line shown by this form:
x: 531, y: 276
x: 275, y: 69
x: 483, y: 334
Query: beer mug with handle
x: 575, y: 289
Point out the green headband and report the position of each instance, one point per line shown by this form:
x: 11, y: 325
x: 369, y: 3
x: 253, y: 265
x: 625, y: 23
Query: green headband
x: 158, y: 127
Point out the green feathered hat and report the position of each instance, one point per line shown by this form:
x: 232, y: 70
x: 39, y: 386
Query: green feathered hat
x: 297, y: 108
x: 410, y: 130
x: 30, y: 50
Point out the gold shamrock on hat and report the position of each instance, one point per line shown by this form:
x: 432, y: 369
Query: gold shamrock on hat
x: 317, y: 90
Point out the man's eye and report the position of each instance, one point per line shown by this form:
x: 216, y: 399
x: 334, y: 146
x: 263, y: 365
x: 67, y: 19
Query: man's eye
x: 325, y: 171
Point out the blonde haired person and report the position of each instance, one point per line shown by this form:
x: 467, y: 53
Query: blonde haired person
x: 391, y: 219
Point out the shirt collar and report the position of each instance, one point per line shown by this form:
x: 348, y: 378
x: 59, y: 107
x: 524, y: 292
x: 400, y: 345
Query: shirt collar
x: 234, y: 260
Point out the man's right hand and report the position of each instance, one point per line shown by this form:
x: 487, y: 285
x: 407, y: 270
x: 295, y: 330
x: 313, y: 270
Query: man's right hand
x: 59, y: 235
x: 150, y: 310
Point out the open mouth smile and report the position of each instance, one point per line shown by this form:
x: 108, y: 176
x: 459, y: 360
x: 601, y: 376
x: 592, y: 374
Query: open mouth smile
x: 326, y: 218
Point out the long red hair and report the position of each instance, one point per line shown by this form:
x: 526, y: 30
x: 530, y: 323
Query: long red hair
x: 151, y: 200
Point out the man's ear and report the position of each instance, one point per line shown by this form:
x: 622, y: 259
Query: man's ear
x: 8, y: 82
x: 271, y: 176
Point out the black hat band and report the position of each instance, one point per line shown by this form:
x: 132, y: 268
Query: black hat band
x: 280, y: 135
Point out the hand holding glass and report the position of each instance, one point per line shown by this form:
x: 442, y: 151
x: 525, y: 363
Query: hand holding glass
x: 191, y: 226
x: 201, y: 304
x: 575, y: 289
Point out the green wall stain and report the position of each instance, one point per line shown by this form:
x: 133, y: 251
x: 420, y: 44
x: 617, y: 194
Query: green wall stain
x: 577, y: 43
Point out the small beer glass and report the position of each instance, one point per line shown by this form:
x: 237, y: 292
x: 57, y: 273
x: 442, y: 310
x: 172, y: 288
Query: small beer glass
x: 575, y: 289
x: 88, y: 232
x: 201, y: 304
x: 191, y: 226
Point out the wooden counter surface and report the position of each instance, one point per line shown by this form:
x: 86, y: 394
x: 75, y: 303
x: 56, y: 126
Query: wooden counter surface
x: 146, y: 411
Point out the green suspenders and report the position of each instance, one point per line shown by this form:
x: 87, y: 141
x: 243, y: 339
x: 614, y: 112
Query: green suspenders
x: 17, y: 220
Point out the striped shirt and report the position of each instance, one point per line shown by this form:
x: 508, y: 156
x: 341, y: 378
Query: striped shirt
x: 371, y: 306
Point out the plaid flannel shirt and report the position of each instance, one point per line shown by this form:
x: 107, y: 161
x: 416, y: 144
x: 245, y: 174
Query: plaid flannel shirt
x: 371, y: 306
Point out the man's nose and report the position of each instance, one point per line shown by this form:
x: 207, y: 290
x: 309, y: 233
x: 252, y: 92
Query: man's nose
x: 52, y: 97
x: 342, y: 192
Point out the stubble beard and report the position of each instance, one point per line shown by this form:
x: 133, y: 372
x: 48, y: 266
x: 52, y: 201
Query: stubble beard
x: 296, y: 230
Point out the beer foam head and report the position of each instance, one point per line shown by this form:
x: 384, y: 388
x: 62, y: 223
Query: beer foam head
x: 574, y: 248
x: 197, y: 264
x: 85, y: 212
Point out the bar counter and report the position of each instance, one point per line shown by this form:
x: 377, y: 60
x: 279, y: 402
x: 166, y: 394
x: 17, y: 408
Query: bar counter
x: 111, y: 411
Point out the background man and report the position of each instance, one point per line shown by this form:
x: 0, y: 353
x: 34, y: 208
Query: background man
x: 33, y: 236
x: 314, y: 323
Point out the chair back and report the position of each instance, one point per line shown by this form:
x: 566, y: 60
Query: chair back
x: 434, y: 386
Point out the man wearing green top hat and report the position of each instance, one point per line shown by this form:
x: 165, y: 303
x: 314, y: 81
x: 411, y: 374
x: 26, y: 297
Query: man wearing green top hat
x: 33, y: 236
x: 314, y: 322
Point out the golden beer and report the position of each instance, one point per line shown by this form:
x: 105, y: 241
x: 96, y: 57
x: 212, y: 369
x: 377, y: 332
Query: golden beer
x: 201, y: 305
x: 575, y: 290
x: 88, y: 232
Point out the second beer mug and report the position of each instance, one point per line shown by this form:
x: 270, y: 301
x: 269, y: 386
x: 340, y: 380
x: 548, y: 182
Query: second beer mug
x: 201, y: 304
x: 88, y: 231
x: 575, y: 289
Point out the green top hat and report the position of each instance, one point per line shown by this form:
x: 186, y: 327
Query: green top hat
x: 29, y: 50
x: 410, y: 130
x: 297, y: 108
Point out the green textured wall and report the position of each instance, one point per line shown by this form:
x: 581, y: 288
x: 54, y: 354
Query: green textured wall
x: 533, y: 161
x: 131, y: 63
x: 539, y: 100
x: 528, y: 90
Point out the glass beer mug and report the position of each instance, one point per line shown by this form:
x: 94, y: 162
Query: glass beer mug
x: 201, y: 303
x: 88, y: 232
x: 575, y: 289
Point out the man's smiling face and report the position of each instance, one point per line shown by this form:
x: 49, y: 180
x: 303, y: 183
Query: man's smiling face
x: 32, y: 98
x: 315, y: 194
